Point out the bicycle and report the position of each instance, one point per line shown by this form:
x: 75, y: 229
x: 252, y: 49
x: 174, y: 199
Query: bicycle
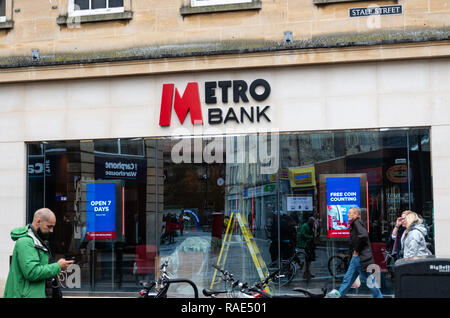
x: 258, y: 290
x: 244, y: 291
x: 288, y: 268
x: 228, y: 279
x: 338, y: 264
x: 162, y: 284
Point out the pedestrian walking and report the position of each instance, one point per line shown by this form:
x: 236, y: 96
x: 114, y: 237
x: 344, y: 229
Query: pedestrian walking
x: 361, y: 258
x: 29, y: 269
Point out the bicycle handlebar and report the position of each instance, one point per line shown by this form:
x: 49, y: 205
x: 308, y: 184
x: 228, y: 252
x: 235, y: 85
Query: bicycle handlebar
x: 227, y: 276
x: 267, y: 279
x: 224, y: 272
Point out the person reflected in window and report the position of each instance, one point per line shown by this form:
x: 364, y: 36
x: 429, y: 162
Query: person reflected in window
x: 306, y: 242
x: 287, y: 234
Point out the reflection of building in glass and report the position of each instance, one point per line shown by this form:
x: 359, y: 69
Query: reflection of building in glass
x: 153, y: 189
x: 248, y: 190
x: 88, y: 108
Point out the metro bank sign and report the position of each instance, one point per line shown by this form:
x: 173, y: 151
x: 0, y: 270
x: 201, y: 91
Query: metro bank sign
x: 237, y: 91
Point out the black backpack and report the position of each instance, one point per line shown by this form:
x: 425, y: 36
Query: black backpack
x: 430, y: 244
x: 428, y: 240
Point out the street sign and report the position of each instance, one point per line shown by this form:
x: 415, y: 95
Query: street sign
x: 375, y: 10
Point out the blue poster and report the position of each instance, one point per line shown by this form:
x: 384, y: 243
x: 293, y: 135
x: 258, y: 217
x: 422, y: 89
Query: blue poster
x: 342, y: 194
x: 101, y: 210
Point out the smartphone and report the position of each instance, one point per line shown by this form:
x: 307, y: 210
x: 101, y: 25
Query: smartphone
x: 71, y: 258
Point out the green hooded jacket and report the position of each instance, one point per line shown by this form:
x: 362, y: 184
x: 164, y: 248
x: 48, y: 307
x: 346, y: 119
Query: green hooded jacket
x: 29, y: 266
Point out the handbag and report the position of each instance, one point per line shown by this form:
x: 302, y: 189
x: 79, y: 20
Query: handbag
x: 56, y: 288
x: 357, y: 283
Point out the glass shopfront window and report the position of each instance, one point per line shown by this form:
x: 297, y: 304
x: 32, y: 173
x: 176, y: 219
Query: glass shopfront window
x: 243, y: 202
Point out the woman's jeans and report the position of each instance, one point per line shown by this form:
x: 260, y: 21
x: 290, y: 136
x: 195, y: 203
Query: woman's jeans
x: 354, y: 270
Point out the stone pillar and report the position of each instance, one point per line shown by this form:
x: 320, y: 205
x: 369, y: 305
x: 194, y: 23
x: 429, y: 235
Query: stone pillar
x: 440, y: 165
x: 13, y: 168
x: 155, y: 190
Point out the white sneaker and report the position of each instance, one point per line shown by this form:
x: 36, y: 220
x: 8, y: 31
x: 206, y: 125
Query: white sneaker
x: 333, y: 294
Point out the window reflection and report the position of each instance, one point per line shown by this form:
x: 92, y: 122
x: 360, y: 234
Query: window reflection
x: 198, y: 202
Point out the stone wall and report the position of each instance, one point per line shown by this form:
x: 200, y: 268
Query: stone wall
x: 149, y: 25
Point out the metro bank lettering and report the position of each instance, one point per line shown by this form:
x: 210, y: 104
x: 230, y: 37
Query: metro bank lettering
x: 189, y: 102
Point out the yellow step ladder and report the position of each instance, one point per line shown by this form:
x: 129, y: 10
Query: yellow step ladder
x: 258, y: 261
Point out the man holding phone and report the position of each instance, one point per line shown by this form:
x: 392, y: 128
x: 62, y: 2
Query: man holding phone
x: 29, y: 269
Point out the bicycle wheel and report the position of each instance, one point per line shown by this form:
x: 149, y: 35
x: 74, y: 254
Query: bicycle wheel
x: 337, y: 266
x: 287, y: 272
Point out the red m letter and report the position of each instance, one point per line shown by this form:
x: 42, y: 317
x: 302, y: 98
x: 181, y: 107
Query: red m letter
x: 190, y: 102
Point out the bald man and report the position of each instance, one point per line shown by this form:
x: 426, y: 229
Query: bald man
x: 29, y: 268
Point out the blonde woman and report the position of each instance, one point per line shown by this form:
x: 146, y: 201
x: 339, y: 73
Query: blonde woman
x: 413, y: 239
